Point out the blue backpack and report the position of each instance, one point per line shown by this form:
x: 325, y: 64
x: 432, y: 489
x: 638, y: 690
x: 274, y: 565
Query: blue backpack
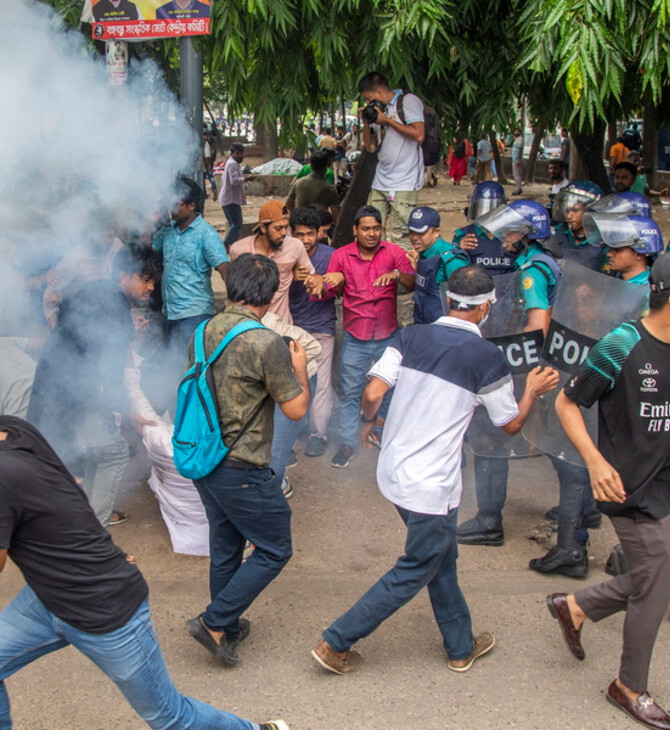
x: 197, y: 440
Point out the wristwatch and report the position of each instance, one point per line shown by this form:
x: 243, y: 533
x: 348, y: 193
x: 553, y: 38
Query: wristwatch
x: 368, y: 420
x: 397, y: 271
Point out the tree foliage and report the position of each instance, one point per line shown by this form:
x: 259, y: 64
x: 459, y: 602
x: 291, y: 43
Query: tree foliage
x: 573, y: 60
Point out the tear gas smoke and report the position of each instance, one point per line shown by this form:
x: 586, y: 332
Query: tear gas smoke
x: 77, y: 154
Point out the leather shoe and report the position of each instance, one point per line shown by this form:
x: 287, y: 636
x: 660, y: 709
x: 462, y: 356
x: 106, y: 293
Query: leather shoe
x: 593, y: 521
x: 480, y: 531
x: 573, y: 562
x: 557, y: 603
x: 645, y: 710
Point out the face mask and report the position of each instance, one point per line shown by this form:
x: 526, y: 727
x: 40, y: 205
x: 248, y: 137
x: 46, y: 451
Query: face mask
x: 485, y: 317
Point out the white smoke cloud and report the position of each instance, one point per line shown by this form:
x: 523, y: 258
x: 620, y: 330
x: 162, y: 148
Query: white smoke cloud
x: 75, y: 152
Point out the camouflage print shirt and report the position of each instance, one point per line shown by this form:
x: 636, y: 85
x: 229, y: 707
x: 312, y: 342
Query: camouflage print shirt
x: 255, y: 367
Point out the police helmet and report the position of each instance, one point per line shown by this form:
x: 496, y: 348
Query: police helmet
x: 582, y: 193
x: 486, y: 196
x: 527, y: 217
x: 626, y: 203
x: 617, y: 230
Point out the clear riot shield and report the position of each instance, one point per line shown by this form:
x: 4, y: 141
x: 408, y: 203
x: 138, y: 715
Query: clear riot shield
x: 588, y: 305
x: 522, y: 350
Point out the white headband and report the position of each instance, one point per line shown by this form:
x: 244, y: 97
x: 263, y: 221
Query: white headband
x: 473, y: 301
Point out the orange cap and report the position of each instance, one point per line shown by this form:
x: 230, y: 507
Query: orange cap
x: 271, y: 211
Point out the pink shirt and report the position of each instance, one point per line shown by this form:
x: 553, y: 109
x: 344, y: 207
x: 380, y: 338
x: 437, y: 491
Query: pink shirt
x: 370, y: 312
x: 291, y: 253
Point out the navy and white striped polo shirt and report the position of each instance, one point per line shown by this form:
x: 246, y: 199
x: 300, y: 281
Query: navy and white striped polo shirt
x: 441, y: 373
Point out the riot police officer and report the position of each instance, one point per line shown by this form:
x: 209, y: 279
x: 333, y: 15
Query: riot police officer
x: 524, y: 227
x: 625, y: 203
x: 568, y: 209
x: 632, y: 243
x: 433, y: 259
x: 484, y: 250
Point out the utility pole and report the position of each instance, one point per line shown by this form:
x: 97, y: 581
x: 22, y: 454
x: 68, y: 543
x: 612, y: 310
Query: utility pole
x: 190, y: 93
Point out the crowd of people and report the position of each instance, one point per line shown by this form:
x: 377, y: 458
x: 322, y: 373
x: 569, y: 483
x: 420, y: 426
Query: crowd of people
x: 526, y: 302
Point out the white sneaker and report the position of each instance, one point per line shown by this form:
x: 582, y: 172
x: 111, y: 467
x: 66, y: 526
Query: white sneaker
x: 286, y: 488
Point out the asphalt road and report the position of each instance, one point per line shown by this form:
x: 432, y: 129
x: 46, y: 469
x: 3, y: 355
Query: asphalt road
x: 345, y: 536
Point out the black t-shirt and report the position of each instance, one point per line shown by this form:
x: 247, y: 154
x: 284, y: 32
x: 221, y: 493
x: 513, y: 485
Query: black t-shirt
x: 628, y: 373
x: 52, y: 534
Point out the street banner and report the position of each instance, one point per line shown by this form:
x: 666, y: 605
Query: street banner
x: 137, y: 20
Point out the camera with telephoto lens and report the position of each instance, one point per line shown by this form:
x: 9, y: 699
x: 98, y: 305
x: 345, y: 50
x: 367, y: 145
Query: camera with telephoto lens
x: 370, y: 112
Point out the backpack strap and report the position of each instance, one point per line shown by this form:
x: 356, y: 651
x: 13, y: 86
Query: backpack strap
x: 401, y: 108
x: 199, y: 342
x: 238, y: 329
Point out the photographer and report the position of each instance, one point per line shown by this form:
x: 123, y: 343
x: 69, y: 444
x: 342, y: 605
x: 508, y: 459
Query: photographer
x: 393, y: 126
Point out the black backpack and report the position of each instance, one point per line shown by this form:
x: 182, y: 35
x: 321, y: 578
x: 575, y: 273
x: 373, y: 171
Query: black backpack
x: 459, y: 148
x: 432, y: 142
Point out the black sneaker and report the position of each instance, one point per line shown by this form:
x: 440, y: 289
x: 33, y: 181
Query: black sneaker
x: 593, y: 521
x: 342, y: 458
x: 573, y: 562
x: 316, y: 446
x: 616, y: 563
x: 275, y: 725
x: 480, y: 531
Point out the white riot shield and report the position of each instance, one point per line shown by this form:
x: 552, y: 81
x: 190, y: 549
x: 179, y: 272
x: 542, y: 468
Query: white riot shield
x: 522, y: 350
x: 588, y: 305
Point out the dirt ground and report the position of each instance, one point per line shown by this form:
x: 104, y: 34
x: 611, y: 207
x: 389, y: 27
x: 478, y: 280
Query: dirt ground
x: 345, y: 536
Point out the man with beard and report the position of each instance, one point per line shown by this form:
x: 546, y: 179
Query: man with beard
x: 271, y: 239
x: 366, y: 273
x: 79, y: 379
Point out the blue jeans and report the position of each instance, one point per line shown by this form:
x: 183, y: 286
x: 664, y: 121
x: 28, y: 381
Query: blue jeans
x: 233, y: 213
x: 286, y: 432
x: 180, y: 332
x: 241, y: 505
x: 129, y: 656
x: 429, y: 560
x: 357, y: 357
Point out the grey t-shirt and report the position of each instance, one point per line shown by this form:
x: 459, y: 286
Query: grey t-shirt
x: 483, y: 150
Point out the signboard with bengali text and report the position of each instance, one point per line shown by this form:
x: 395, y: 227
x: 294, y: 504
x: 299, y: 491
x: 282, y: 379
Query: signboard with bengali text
x: 136, y: 20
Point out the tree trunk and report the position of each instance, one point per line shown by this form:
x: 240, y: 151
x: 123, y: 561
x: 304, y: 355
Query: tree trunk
x: 357, y: 195
x: 532, y: 155
x: 589, y: 148
x: 502, y: 178
x: 266, y: 138
x: 611, y: 136
x: 650, y: 142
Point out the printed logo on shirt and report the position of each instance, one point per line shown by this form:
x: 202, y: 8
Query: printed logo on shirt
x: 658, y: 415
x: 527, y: 283
x: 420, y: 280
x: 649, y: 386
x: 648, y: 369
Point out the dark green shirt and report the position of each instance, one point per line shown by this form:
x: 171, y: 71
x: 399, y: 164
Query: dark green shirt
x: 254, y: 368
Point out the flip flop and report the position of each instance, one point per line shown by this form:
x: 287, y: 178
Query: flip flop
x: 118, y: 518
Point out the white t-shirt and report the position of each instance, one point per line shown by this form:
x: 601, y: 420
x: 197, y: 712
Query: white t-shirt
x: 441, y: 373
x: 400, y: 166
